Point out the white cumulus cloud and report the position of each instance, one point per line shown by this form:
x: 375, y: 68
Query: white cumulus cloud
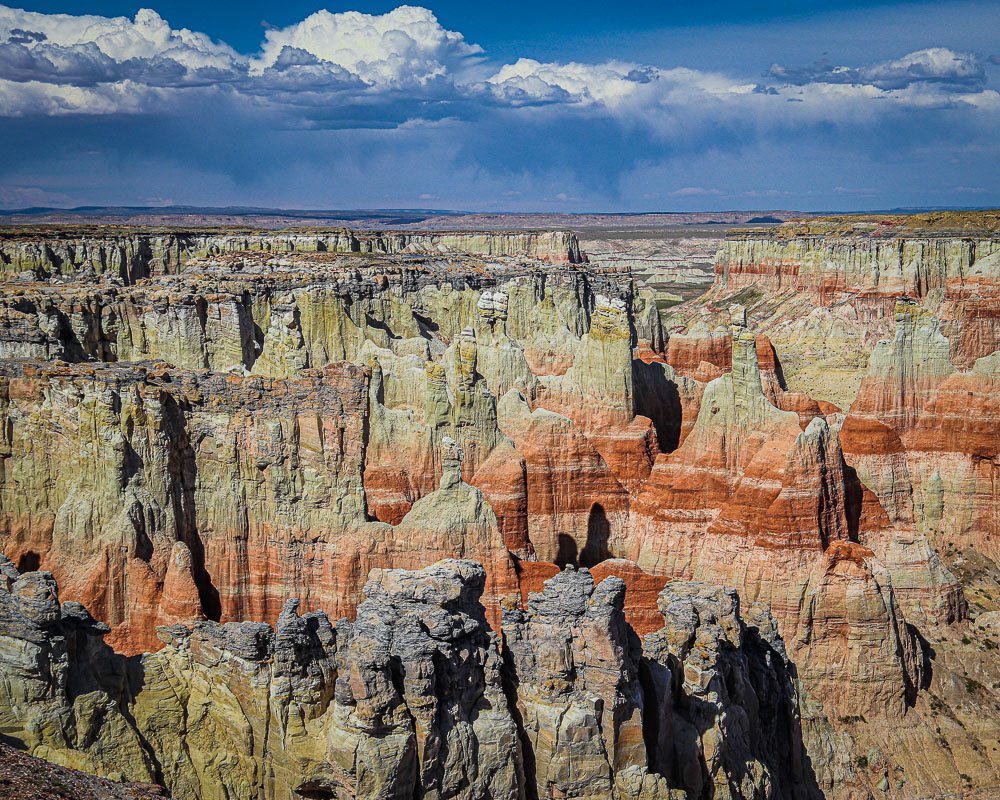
x: 939, y: 65
x: 71, y: 41
x: 406, y: 47
x: 350, y: 69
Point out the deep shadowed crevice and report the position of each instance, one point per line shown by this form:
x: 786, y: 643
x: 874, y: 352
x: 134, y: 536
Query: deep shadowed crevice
x: 927, y: 655
x: 132, y: 462
x: 134, y: 670
x: 310, y: 790
x: 854, y: 494
x: 779, y: 374
x: 657, y: 397
x: 780, y: 740
x: 143, y: 544
x: 138, y: 267
x: 183, y: 473
x: 428, y: 327
x: 380, y: 325
x: 653, y: 711
x: 510, y: 682
x: 396, y: 674
x: 29, y: 561
x: 13, y: 741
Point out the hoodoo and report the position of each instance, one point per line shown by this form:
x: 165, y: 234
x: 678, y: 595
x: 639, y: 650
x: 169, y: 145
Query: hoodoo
x: 340, y: 514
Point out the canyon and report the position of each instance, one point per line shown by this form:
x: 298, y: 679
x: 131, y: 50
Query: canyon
x: 326, y: 513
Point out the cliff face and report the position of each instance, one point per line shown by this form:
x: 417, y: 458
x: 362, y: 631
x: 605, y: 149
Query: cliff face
x: 880, y: 518
x: 924, y: 434
x: 184, y: 490
x: 753, y: 501
x: 896, y: 320
x: 698, y: 708
x: 825, y: 290
x: 414, y: 695
x: 194, y: 493
x: 190, y: 447
x: 276, y: 472
x: 135, y: 253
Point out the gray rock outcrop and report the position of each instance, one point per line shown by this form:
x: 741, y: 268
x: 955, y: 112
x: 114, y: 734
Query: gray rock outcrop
x: 415, y: 698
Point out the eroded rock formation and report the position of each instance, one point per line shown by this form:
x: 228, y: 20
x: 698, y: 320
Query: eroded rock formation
x: 414, y: 696
x: 890, y: 321
x: 193, y: 430
x: 824, y: 290
x: 133, y: 253
x: 312, y: 470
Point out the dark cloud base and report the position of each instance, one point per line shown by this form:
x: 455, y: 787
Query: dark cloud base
x: 308, y: 122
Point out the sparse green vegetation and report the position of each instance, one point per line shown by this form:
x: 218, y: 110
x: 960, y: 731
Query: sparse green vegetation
x: 749, y: 296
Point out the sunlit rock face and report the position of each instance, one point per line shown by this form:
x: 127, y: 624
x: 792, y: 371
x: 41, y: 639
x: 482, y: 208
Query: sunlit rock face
x: 824, y: 291
x: 280, y: 420
x: 924, y: 435
x: 538, y: 510
x: 415, y: 695
x: 134, y: 253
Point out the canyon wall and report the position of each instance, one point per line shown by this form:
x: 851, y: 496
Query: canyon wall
x: 183, y: 448
x: 884, y: 329
x: 824, y: 290
x: 133, y: 253
x: 226, y: 452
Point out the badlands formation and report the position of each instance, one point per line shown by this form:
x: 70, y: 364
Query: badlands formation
x: 329, y: 514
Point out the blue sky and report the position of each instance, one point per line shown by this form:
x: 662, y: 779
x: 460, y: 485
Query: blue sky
x: 555, y: 106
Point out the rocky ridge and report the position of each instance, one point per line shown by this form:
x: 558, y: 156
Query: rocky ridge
x: 266, y: 425
x: 892, y: 320
x: 824, y: 290
x: 414, y: 695
x: 340, y: 450
x: 131, y: 253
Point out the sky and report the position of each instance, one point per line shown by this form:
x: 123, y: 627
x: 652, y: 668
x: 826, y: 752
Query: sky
x: 501, y: 106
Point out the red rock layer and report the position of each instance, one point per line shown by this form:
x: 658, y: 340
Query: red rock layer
x: 970, y: 317
x: 926, y: 436
x: 575, y: 504
x: 532, y: 576
x: 641, y: 593
x: 277, y: 510
x: 628, y: 445
x: 836, y: 262
x: 876, y: 668
x: 752, y: 500
x: 700, y: 354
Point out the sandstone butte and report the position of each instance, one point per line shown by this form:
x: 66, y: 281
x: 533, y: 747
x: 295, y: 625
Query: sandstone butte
x: 575, y: 551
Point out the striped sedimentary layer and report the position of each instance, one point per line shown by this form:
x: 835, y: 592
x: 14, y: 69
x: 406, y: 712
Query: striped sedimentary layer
x: 266, y: 425
x: 133, y: 253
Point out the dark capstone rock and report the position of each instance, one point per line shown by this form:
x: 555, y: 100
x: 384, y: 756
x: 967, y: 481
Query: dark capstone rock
x: 251, y: 641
